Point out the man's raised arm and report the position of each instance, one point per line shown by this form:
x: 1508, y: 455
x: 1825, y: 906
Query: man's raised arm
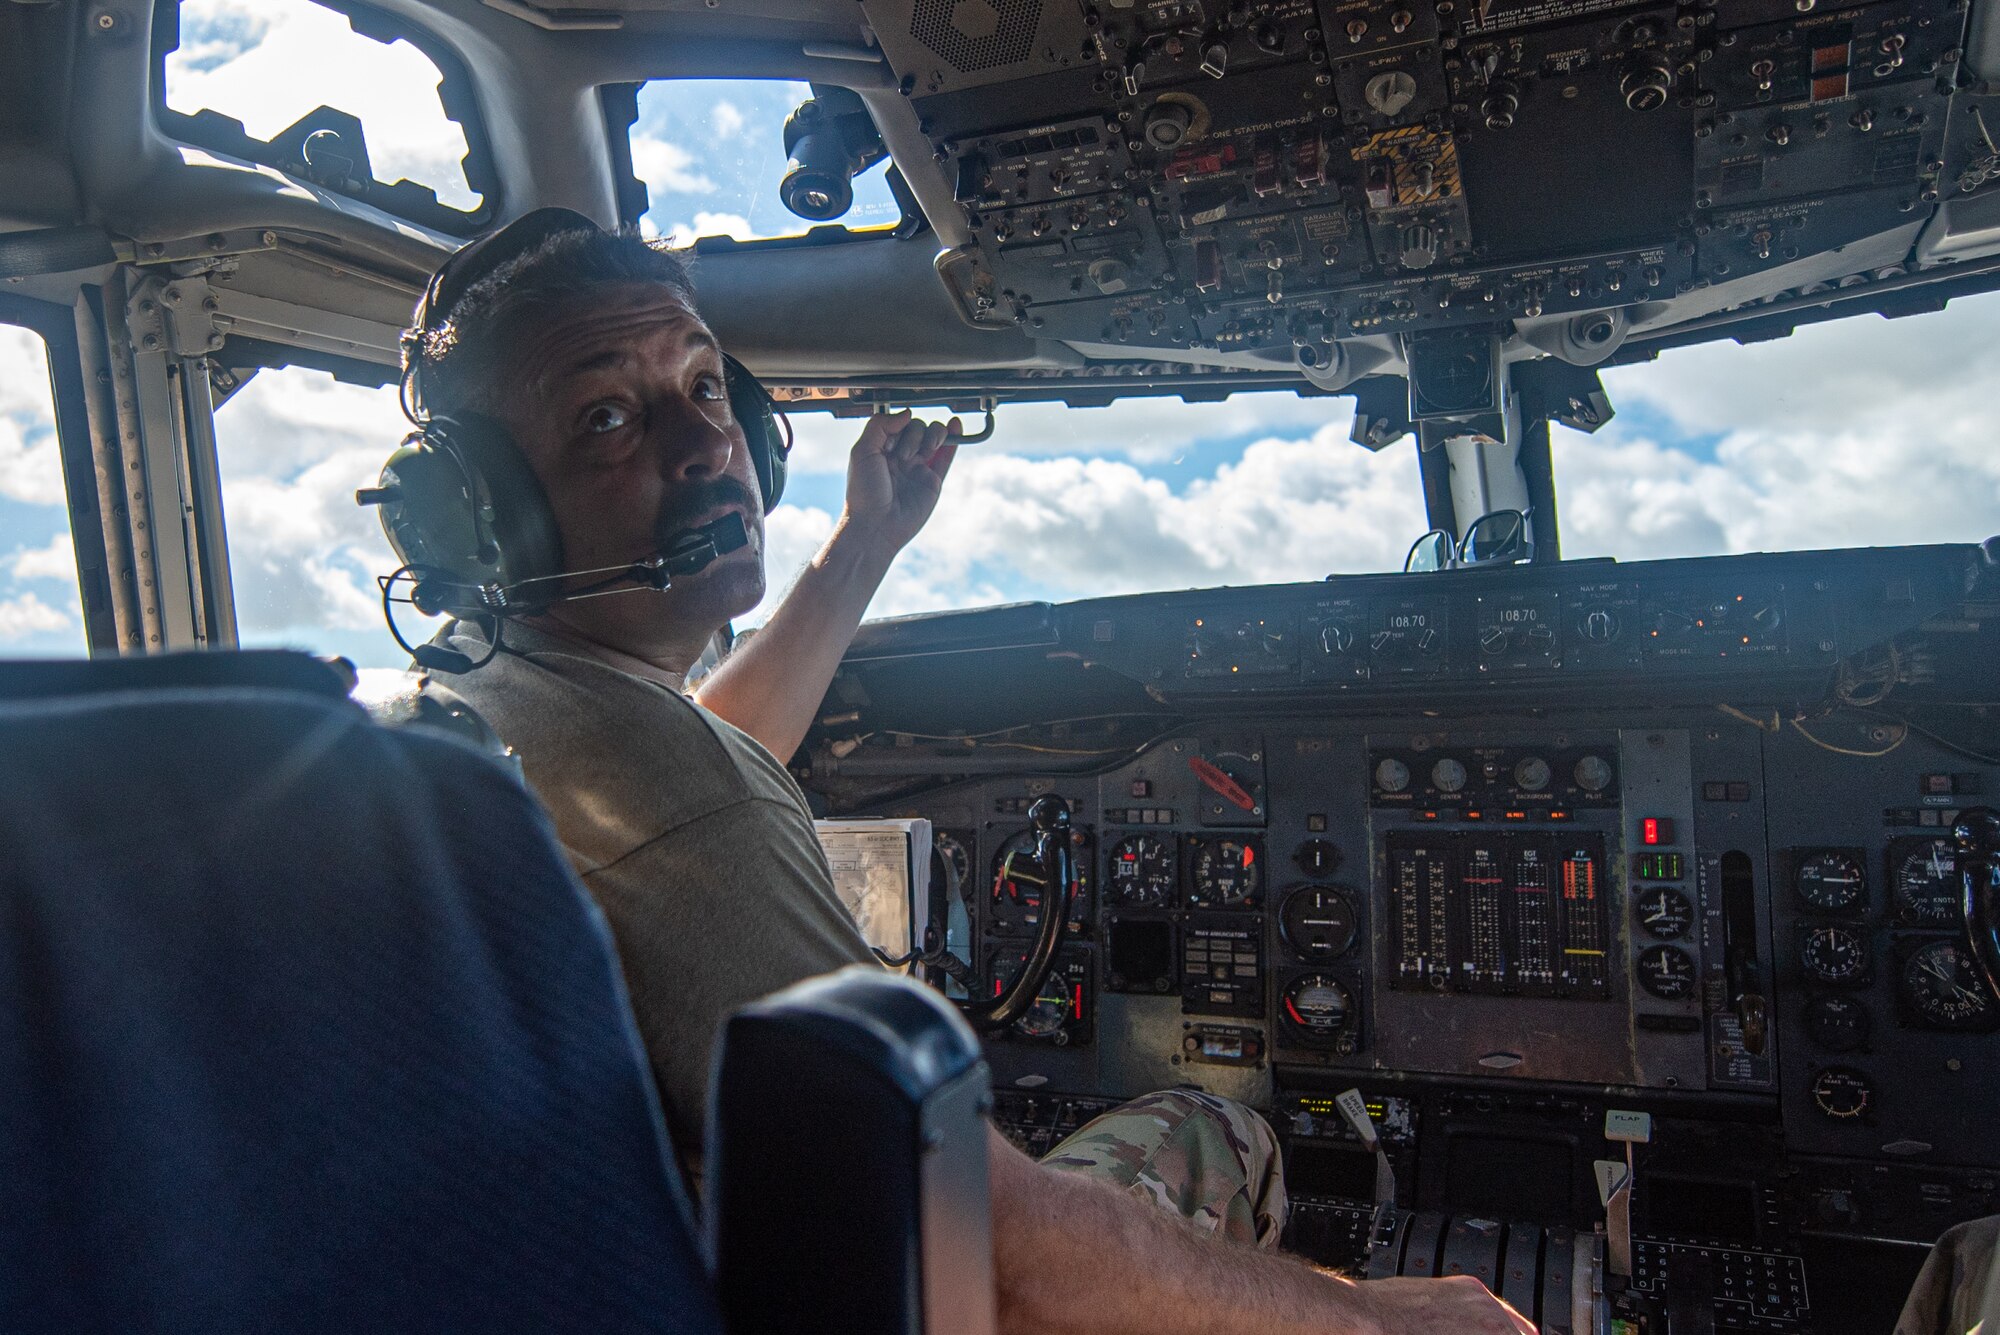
x: 771, y: 685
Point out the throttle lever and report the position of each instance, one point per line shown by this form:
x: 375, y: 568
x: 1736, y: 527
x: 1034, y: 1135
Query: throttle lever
x: 1976, y: 834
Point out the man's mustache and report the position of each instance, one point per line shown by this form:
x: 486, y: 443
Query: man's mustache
x: 681, y: 511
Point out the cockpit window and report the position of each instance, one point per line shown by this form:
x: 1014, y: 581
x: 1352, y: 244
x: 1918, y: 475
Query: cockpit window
x: 293, y: 445
x: 711, y: 154
x: 39, y: 612
x: 348, y: 98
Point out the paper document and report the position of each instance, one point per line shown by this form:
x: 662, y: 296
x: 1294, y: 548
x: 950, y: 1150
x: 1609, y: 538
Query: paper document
x: 882, y: 873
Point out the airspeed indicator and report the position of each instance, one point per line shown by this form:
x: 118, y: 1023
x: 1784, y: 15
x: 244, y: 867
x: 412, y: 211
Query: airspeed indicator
x: 1928, y: 887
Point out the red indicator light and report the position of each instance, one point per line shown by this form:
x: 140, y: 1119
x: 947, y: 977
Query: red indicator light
x: 1654, y: 830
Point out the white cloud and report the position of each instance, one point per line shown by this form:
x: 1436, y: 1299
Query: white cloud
x: 667, y: 166
x: 727, y: 119
x: 269, y: 62
x: 30, y: 464
x: 27, y: 615
x: 1147, y: 431
x: 56, y: 560
x: 711, y: 224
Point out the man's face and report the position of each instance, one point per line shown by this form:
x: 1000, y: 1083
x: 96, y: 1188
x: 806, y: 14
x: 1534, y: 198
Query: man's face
x: 619, y: 403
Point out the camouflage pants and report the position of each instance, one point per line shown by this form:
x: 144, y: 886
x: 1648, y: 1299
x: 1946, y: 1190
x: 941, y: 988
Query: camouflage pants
x: 1210, y: 1160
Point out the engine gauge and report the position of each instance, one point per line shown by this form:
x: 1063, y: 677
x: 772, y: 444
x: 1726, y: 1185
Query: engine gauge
x: 1318, y: 922
x: 1842, y: 1092
x: 1836, y: 955
x: 1838, y: 1024
x: 1667, y: 972
x: 1227, y: 873
x: 1317, y: 1010
x: 1014, y: 901
x: 1664, y: 911
x: 1927, y: 886
x: 1941, y: 987
x: 1142, y: 872
x: 1830, y: 879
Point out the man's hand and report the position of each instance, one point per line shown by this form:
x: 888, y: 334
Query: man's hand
x: 1459, y: 1304
x: 894, y: 476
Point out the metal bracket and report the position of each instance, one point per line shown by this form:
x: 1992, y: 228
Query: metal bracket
x: 176, y: 316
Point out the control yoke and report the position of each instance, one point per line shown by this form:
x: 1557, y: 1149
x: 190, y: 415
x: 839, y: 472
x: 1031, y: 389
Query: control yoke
x: 1977, y: 833
x: 1053, y: 851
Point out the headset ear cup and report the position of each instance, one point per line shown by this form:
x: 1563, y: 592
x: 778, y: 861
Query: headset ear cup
x: 514, y: 512
x: 770, y: 444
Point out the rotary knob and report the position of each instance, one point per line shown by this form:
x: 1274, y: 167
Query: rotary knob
x: 1448, y: 775
x: 1494, y: 640
x: 1600, y: 625
x: 1336, y: 638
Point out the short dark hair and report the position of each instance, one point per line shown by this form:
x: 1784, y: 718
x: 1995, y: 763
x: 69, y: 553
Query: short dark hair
x: 462, y: 353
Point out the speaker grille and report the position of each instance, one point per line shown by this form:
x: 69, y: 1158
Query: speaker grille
x: 974, y: 35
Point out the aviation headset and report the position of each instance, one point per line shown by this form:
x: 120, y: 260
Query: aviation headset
x: 459, y: 502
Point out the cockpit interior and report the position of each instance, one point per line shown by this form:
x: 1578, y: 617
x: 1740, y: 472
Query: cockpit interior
x: 1622, y: 933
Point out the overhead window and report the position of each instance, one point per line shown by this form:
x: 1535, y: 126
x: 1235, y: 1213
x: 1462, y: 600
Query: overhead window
x: 711, y: 154
x: 349, y: 98
x: 292, y: 447
x: 39, y: 612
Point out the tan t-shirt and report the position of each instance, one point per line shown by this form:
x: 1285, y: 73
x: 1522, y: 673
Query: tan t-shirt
x: 694, y: 840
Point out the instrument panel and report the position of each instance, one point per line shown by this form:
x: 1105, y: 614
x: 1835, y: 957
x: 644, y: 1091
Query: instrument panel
x: 1287, y: 177
x: 1515, y: 918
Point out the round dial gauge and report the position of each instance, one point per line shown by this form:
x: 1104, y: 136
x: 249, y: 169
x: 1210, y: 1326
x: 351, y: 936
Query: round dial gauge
x: 957, y: 862
x: 1834, y: 955
x: 1317, y: 857
x: 1928, y: 888
x: 1142, y: 872
x: 1842, y: 1092
x: 1316, y: 1008
x: 1593, y: 774
x: 1014, y: 903
x: 1051, y: 1010
x: 1942, y: 986
x: 1318, y: 922
x: 1392, y: 775
x: 1227, y: 873
x: 1838, y: 1024
x: 1448, y: 775
x: 1830, y: 880
x: 1667, y: 972
x: 1664, y: 911
x: 1532, y: 774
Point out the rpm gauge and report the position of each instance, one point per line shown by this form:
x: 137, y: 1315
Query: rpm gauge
x: 1942, y: 987
x: 1927, y: 886
x: 1836, y: 955
x: 1317, y: 1010
x: 1226, y: 873
x: 1318, y: 922
x: 1830, y: 879
x: 1014, y: 901
x: 1142, y: 872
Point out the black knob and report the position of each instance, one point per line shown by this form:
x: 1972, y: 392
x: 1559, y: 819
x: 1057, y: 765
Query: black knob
x: 1336, y: 639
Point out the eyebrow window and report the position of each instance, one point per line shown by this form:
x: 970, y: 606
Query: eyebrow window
x: 711, y: 153
x: 347, y: 98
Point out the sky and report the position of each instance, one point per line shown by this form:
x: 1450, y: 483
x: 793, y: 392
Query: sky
x: 1861, y: 432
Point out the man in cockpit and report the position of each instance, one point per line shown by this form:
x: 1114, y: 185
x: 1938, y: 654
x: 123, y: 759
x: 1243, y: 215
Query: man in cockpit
x: 585, y: 349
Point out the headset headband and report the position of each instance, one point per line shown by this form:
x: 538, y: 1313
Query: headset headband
x: 466, y: 267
